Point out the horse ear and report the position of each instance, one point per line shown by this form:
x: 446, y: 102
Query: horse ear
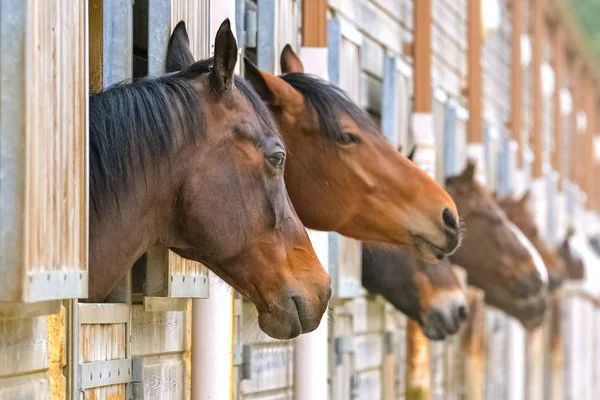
x: 469, y: 171
x: 179, y: 55
x: 226, y: 53
x: 289, y: 61
x: 256, y: 78
x: 411, y: 155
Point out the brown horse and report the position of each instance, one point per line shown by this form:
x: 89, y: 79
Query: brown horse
x: 573, y: 262
x: 194, y: 161
x: 429, y: 294
x: 518, y: 213
x: 342, y: 174
x: 493, y: 255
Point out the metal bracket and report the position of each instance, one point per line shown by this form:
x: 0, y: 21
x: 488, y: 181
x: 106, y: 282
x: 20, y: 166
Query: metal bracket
x: 388, y: 342
x: 114, y: 372
x: 342, y: 345
x: 52, y: 285
x: 242, y: 357
x: 188, y: 286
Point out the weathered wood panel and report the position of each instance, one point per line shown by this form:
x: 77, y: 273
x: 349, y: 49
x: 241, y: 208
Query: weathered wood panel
x: 155, y: 333
x: 44, y: 231
x: 164, y: 378
x: 103, y: 342
x: 24, y: 346
x: 26, y: 387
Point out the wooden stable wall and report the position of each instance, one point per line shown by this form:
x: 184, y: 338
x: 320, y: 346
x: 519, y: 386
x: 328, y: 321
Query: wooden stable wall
x: 43, y: 190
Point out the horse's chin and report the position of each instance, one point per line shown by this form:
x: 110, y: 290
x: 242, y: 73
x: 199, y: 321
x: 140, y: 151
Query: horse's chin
x: 426, y: 251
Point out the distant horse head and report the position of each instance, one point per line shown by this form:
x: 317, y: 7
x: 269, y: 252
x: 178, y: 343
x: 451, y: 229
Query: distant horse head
x: 494, y: 256
x: 429, y: 294
x: 342, y: 173
x: 573, y: 262
x: 194, y: 161
x: 519, y: 214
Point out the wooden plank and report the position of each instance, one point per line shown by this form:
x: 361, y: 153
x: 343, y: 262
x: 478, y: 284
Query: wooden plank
x: 591, y: 107
x: 44, y: 175
x: 418, y: 378
x: 102, y: 343
x: 475, y: 125
x: 558, y: 52
x: 314, y: 23
x: 164, y: 377
x: 26, y: 387
x: 156, y: 333
x: 422, y: 57
x: 57, y: 343
x: 95, y: 44
x: 472, y: 338
x: 23, y: 346
x: 28, y: 310
x: 538, y: 41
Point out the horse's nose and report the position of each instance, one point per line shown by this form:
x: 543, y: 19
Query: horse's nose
x: 463, y: 312
x: 450, y: 220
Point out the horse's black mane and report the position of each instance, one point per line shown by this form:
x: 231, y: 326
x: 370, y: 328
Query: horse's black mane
x: 328, y: 101
x: 133, y: 122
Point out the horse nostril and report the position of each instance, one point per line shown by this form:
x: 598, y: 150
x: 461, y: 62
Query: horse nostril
x: 463, y: 313
x: 449, y: 219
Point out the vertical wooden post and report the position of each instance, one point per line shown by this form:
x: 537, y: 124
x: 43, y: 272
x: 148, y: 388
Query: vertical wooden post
x: 472, y: 340
x: 556, y: 345
x: 538, y: 96
x: 314, y: 23
x: 516, y: 101
x: 574, y: 78
x: 422, y: 56
x: 474, y: 79
x: 418, y: 379
x: 588, y: 142
x: 558, y: 53
x: 311, y: 364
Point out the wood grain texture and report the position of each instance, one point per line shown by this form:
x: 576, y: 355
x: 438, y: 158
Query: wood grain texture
x: 95, y: 11
x: 418, y: 378
x: 24, y: 346
x: 56, y: 137
x: 164, y: 377
x: 155, y: 333
x: 475, y: 125
x: 422, y: 57
x: 57, y: 343
x: 50, y: 197
x: 314, y: 23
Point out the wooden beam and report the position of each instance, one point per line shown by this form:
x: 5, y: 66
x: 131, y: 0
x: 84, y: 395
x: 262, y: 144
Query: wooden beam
x: 574, y: 87
x: 422, y: 56
x: 558, y: 64
x: 587, y: 172
x: 516, y: 97
x: 418, y: 376
x: 472, y: 342
x: 474, y: 78
x: 538, y: 42
x: 314, y: 23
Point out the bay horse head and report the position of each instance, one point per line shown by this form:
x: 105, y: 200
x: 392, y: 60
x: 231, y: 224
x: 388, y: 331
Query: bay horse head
x: 343, y: 175
x: 573, y: 261
x: 494, y: 256
x: 429, y: 294
x: 194, y: 161
x: 519, y: 214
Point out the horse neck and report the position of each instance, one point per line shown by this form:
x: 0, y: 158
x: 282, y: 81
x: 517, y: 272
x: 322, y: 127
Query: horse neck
x: 119, y: 236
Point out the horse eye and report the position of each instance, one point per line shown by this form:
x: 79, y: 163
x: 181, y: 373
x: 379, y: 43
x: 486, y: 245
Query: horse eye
x: 277, y: 159
x: 348, y: 138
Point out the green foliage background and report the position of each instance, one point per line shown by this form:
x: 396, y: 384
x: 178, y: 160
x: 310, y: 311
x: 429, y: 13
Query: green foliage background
x: 588, y: 12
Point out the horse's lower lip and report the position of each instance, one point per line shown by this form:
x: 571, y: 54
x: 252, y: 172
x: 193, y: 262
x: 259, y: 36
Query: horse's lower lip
x: 437, y: 252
